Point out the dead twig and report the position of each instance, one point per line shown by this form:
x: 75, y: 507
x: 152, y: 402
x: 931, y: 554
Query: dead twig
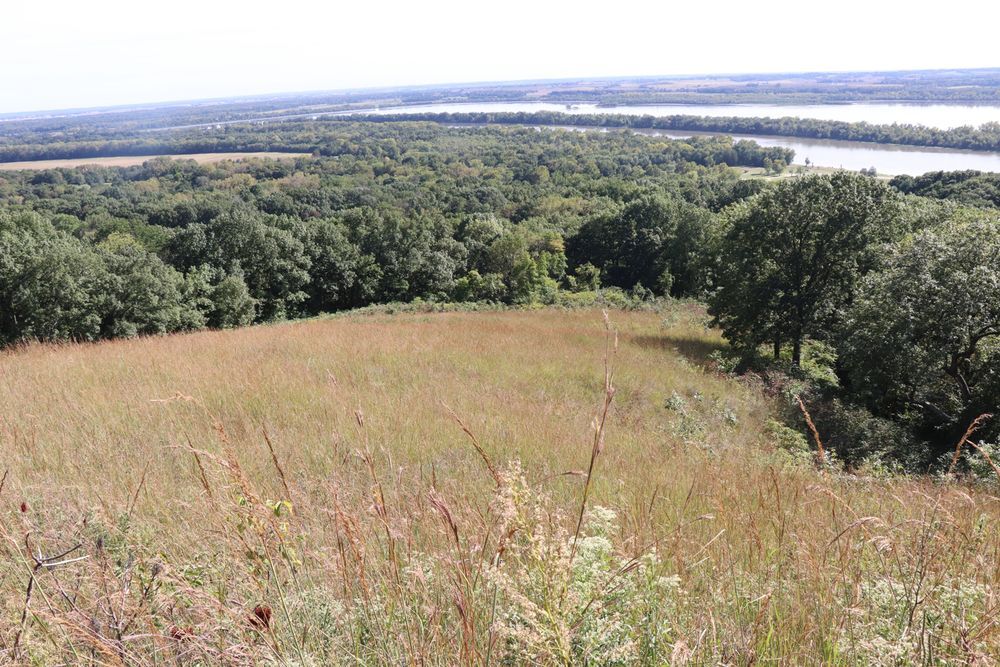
x: 41, y: 562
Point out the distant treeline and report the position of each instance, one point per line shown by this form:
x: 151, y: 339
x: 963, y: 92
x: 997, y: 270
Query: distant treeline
x: 323, y: 138
x: 398, y: 212
x: 984, y: 138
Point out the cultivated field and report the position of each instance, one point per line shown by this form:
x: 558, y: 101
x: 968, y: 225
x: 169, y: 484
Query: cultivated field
x: 407, y: 489
x: 130, y: 161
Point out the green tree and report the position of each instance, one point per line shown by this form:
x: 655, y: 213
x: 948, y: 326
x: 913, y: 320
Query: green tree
x: 232, y: 304
x: 650, y: 236
x: 476, y: 233
x: 336, y: 267
x: 404, y: 257
x: 586, y: 277
x: 50, y: 283
x: 141, y: 295
x: 222, y: 300
x: 272, y: 260
x: 475, y: 287
x: 790, y: 258
x: 509, y: 258
x: 923, y: 337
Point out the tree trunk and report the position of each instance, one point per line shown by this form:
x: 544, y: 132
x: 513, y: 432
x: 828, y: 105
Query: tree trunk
x: 777, y: 349
x: 797, y: 351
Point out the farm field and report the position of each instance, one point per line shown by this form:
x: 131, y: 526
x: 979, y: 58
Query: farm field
x: 133, y: 160
x: 387, y: 489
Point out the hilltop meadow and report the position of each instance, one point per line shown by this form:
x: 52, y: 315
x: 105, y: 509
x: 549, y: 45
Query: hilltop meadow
x: 412, y: 488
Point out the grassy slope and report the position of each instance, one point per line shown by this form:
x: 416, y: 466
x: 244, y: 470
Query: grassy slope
x: 773, y: 559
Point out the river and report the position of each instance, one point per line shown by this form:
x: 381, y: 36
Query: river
x: 856, y: 155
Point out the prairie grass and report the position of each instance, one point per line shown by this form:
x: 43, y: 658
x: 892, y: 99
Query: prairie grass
x: 413, y: 489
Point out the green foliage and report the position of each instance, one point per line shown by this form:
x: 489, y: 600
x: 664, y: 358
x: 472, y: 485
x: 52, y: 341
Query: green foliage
x: 398, y: 212
x: 923, y: 337
x: 273, y: 262
x: 653, y: 241
x: 790, y: 258
x: 54, y: 287
x: 337, y: 268
x: 586, y: 277
x: 774, y: 160
x: 475, y: 287
x: 404, y: 257
x: 231, y: 303
x: 790, y: 440
x: 971, y: 187
x: 221, y: 301
x: 50, y: 284
x: 141, y: 294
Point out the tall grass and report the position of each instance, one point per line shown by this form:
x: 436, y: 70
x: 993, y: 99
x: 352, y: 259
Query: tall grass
x: 457, y: 488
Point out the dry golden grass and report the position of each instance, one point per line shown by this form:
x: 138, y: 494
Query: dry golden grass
x: 131, y: 161
x: 394, y: 520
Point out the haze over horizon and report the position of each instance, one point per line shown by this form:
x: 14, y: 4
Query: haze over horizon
x: 111, y: 53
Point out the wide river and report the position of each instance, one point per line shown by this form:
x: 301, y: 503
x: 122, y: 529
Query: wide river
x: 887, y: 159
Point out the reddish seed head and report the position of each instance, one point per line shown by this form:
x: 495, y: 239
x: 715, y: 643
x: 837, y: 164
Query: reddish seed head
x: 24, y: 507
x: 261, y: 617
x: 181, y: 633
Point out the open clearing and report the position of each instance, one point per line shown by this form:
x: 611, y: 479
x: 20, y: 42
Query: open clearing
x: 318, y: 469
x: 130, y: 161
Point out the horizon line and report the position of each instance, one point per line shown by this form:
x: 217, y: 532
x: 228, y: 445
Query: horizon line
x: 127, y: 106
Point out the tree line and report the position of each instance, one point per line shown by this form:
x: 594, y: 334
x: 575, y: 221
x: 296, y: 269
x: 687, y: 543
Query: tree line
x: 398, y: 213
x: 975, y: 188
x: 329, y: 137
x: 983, y: 138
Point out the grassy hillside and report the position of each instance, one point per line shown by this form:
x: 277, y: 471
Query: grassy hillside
x: 408, y: 489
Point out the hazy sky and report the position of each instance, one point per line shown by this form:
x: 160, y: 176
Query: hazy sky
x: 78, y: 53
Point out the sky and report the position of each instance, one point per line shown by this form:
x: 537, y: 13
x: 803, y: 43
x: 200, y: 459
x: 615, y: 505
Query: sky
x: 80, y: 53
